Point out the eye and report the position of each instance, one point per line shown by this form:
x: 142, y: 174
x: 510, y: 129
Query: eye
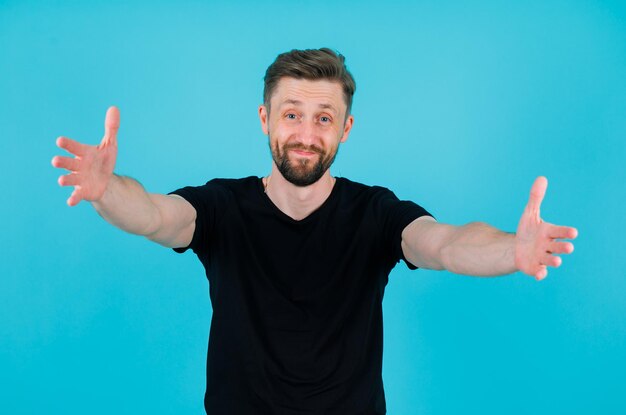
x: 290, y: 116
x: 324, y: 119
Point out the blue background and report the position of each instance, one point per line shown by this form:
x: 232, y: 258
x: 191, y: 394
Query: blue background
x: 459, y: 106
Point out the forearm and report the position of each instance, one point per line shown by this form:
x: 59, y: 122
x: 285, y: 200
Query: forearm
x: 482, y: 250
x: 479, y: 249
x: 128, y: 206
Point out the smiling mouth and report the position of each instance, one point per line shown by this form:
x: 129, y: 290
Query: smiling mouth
x: 302, y: 150
x: 303, y: 153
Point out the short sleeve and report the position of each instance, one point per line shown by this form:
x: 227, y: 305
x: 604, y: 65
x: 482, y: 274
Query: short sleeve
x: 208, y: 200
x: 395, y: 215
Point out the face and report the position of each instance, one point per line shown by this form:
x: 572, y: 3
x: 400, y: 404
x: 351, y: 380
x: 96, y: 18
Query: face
x: 305, y: 123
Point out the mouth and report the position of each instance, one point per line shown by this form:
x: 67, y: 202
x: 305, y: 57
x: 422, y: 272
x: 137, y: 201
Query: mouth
x: 301, y: 150
x: 303, y: 153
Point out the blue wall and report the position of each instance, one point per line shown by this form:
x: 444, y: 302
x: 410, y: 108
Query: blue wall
x: 459, y: 106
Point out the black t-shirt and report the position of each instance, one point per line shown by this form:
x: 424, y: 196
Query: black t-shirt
x: 297, y: 324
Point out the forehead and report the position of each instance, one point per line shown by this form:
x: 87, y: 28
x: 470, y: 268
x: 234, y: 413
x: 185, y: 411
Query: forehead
x: 317, y: 92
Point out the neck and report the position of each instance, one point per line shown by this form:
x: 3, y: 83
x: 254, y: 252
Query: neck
x: 295, y: 201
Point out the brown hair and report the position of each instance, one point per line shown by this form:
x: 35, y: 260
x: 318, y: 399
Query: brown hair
x: 310, y: 64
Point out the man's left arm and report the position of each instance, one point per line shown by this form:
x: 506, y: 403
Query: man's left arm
x: 481, y: 250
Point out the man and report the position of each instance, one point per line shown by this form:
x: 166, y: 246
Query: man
x: 298, y: 261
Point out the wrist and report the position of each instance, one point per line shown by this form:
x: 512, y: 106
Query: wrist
x: 108, y: 193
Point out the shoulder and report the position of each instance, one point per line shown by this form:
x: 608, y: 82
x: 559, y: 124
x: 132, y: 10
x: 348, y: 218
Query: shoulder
x: 228, y: 185
x: 218, y: 190
x: 381, y: 200
x: 358, y: 190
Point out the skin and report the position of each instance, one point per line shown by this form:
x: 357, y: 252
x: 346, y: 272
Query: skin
x: 305, y: 119
x: 304, y: 114
x: 482, y: 250
x: 166, y: 219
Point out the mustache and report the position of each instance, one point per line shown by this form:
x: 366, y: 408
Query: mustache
x: 299, y: 146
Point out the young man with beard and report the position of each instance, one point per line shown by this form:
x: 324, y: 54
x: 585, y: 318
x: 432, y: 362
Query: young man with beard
x: 298, y: 260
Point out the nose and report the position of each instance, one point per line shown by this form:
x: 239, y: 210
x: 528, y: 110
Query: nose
x: 308, y: 133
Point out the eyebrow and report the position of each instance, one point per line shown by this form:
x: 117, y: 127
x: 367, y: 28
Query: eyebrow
x: 298, y: 102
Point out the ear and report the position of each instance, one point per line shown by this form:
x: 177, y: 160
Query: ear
x: 264, y: 117
x: 346, y: 128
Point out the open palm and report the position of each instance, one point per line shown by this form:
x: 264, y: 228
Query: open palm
x: 536, y: 241
x: 92, y: 166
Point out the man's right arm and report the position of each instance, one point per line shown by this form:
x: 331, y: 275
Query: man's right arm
x: 166, y: 219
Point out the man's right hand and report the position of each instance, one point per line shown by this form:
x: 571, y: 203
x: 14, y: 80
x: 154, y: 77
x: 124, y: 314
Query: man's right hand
x: 92, y: 166
x: 168, y: 220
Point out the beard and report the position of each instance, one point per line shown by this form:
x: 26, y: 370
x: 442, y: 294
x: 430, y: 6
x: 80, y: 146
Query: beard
x: 306, y: 171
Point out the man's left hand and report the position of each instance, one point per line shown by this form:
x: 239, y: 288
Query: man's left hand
x: 537, y: 242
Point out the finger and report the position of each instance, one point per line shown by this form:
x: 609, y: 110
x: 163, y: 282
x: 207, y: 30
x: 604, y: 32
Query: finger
x: 541, y: 274
x: 74, y: 198
x: 562, y: 232
x: 70, y: 180
x: 561, y: 247
x: 74, y: 147
x: 551, y: 260
x: 537, y: 192
x: 111, y: 125
x: 68, y: 163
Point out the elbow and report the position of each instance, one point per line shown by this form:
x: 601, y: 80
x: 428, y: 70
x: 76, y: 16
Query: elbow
x: 446, y: 255
x: 154, y: 225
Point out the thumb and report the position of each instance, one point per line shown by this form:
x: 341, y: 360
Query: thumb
x: 111, y: 124
x: 537, y: 192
